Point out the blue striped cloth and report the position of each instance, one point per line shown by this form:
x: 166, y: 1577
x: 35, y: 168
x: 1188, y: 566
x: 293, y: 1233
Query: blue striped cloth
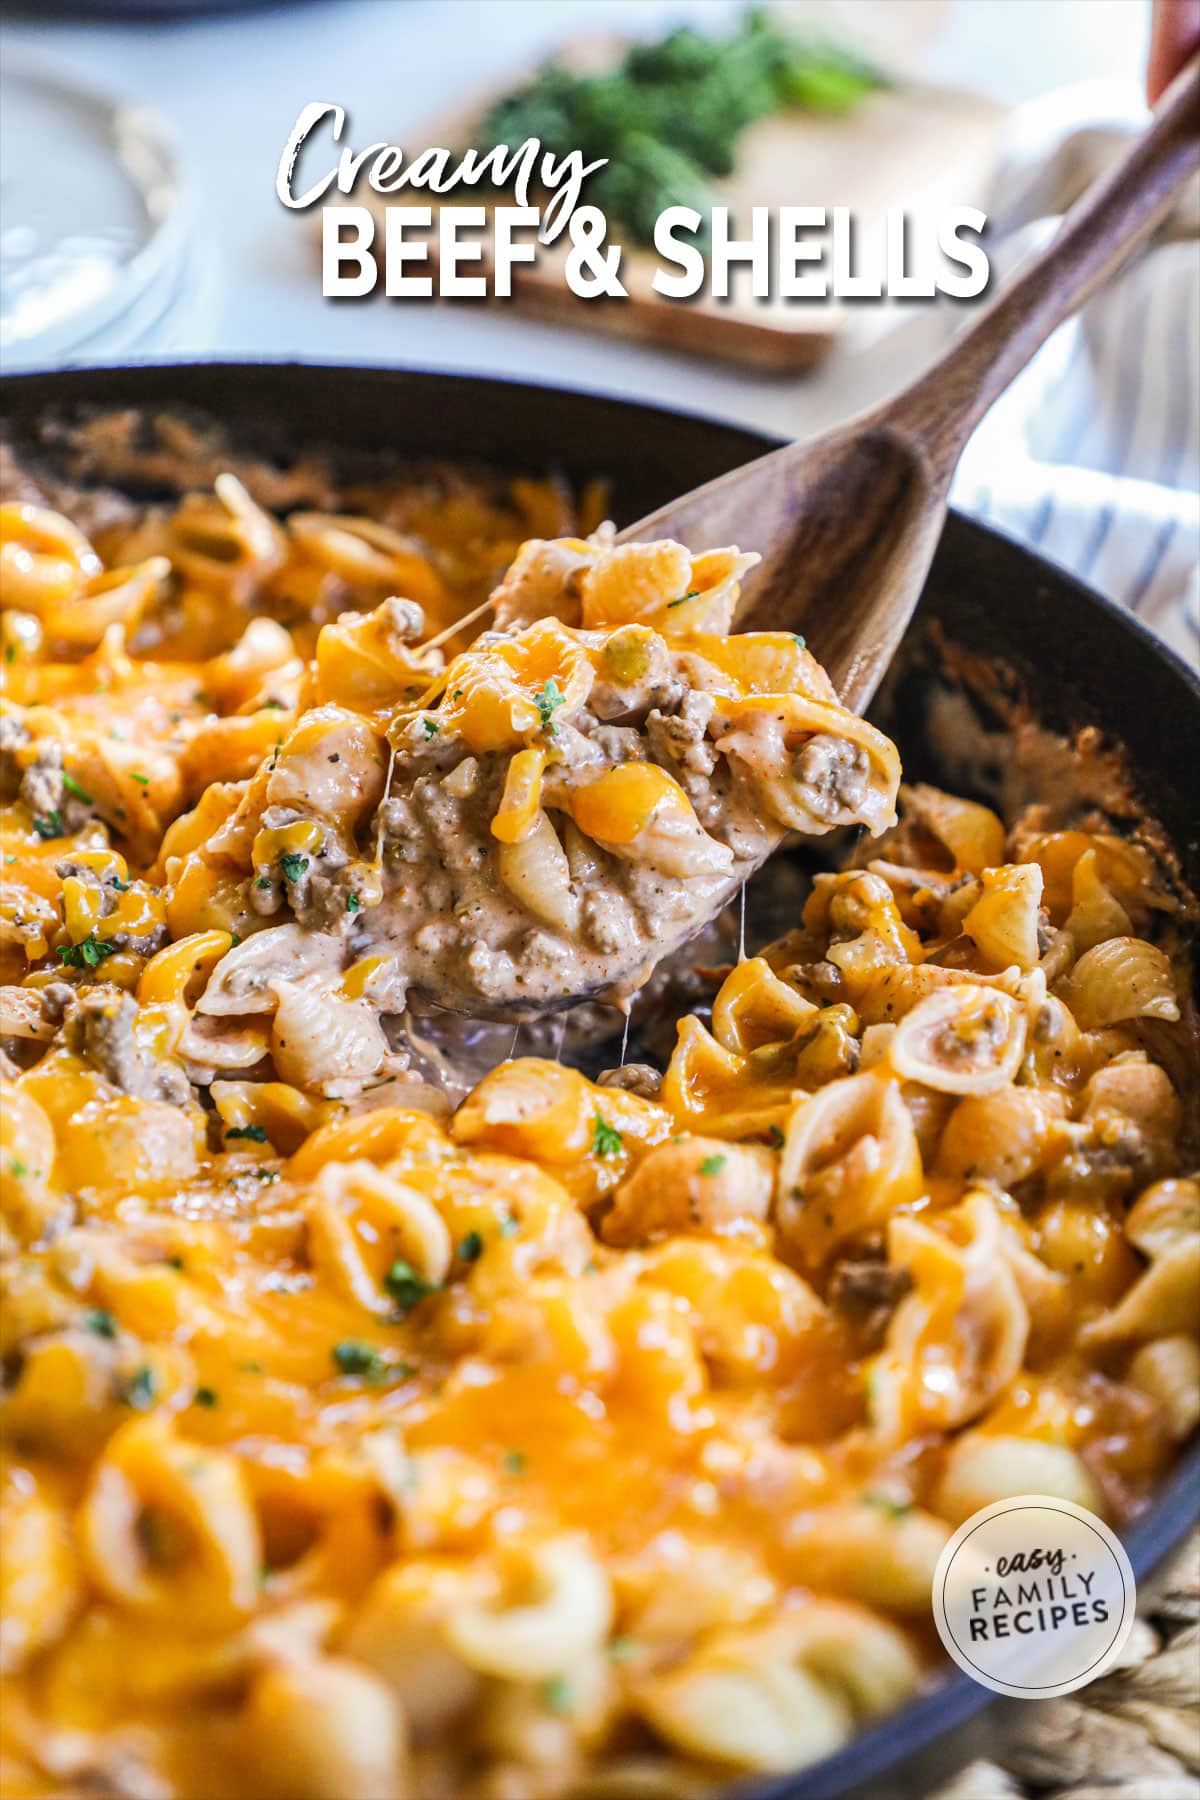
x: 1093, y: 456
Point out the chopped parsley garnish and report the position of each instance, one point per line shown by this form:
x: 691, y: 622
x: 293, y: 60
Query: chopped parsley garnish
x: 471, y: 1248
x: 100, y: 1322
x: 142, y: 780
x: 359, y: 1359
x: 255, y: 1133
x: 205, y: 1396
x: 406, y: 1287
x: 264, y: 881
x: 49, y: 824
x: 140, y: 1391
x: 509, y: 1227
x: 431, y: 726
x: 620, y: 1649
x: 895, y: 1509
x: 353, y: 903
x: 776, y: 1138
x: 548, y: 699
x: 73, y: 787
x: 10, y: 653
x: 606, y: 1139
x: 692, y: 594
x: 293, y: 865
x: 557, y: 1694
x: 712, y: 1165
x: 457, y: 694
x: 801, y: 641
x: 17, y: 1167
x: 86, y: 955
x: 515, y: 1462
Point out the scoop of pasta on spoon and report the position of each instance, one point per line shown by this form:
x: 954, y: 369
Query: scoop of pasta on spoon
x: 549, y: 813
x: 571, y: 797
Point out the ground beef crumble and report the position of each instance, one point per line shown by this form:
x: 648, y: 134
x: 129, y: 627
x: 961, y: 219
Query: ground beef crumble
x: 100, y: 1027
x: 867, y: 1291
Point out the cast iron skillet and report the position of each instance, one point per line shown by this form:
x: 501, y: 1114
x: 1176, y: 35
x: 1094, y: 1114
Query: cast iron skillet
x: 1080, y: 659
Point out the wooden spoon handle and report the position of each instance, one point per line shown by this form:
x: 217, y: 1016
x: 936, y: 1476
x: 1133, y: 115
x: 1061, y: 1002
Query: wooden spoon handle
x: 944, y: 405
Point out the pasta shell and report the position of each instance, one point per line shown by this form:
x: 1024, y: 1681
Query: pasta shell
x: 1004, y: 920
x: 981, y: 1469
x: 1122, y: 978
x: 536, y: 872
x: 971, y: 834
x: 200, y: 1500
x: 783, y: 1695
x: 564, y: 1611
x: 324, y: 1729
x: 324, y: 1043
x: 964, y: 1040
x: 849, y: 1160
x: 243, y: 981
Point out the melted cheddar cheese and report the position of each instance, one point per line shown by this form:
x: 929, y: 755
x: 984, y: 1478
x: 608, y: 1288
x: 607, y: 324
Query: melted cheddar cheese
x: 582, y: 1439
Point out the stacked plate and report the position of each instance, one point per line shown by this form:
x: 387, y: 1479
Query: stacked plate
x: 93, y: 243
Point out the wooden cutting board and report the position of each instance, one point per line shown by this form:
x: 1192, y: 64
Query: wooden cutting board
x: 913, y: 146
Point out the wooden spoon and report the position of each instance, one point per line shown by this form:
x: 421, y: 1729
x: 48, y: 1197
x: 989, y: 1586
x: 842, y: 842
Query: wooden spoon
x: 847, y: 523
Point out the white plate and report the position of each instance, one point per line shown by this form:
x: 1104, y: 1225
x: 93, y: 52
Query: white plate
x: 90, y: 216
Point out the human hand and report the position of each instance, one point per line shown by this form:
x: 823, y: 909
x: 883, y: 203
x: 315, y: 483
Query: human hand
x: 1174, y: 35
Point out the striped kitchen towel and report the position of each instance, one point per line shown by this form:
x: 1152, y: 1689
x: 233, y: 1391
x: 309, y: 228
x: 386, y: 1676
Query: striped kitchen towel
x: 1093, y: 455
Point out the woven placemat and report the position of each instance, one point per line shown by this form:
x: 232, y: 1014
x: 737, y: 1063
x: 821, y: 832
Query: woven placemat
x: 1135, y: 1735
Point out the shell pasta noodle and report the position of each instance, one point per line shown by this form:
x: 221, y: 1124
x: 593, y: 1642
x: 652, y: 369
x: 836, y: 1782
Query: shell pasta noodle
x: 391, y: 1415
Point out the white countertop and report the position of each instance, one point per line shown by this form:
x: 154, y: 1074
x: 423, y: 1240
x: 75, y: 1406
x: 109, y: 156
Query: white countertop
x: 230, y: 87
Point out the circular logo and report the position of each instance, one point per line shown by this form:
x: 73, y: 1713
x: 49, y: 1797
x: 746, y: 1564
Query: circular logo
x: 1033, y: 1597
